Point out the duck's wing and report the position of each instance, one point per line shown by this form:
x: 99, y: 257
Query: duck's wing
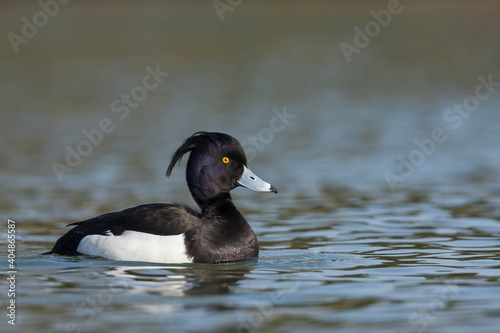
x: 158, y: 219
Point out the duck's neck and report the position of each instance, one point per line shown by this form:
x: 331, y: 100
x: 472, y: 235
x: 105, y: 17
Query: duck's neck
x: 224, y: 235
x: 205, y: 201
x: 221, y: 208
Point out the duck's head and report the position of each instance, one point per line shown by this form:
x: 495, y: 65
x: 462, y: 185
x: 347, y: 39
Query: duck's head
x: 217, y: 164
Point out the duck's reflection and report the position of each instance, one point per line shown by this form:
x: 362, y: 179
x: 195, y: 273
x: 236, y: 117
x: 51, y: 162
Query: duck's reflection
x: 180, y: 280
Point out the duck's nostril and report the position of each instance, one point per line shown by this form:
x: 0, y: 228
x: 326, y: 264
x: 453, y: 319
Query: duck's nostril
x: 252, y: 178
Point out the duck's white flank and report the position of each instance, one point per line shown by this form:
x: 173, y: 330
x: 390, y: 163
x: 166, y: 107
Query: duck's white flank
x: 136, y: 246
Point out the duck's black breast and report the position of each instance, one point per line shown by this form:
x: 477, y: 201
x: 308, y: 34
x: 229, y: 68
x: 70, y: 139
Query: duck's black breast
x: 224, y: 235
x: 158, y: 219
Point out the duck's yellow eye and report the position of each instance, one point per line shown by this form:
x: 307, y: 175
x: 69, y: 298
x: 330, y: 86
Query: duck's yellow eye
x: 225, y: 160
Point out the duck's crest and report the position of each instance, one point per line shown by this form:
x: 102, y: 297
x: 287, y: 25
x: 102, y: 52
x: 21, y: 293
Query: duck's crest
x: 194, y: 141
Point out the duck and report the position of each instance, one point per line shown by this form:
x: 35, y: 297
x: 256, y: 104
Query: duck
x: 177, y: 233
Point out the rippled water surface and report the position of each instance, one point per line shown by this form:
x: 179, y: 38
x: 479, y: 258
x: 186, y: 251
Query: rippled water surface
x: 387, y: 216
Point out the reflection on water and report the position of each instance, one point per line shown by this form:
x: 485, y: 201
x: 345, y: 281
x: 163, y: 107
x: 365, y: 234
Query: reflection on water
x: 179, y: 280
x: 340, y: 249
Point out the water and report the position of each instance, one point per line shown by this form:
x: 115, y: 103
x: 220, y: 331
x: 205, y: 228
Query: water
x: 342, y: 248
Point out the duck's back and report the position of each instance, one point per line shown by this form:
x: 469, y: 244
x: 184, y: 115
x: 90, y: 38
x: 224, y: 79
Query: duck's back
x: 157, y: 219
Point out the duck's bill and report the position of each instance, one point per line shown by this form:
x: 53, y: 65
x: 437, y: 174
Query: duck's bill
x: 251, y: 181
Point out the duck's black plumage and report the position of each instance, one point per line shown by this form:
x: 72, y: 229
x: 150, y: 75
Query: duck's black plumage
x: 158, y: 219
x: 217, y: 164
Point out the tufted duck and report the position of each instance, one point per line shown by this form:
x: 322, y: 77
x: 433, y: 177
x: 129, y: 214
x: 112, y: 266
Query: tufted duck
x: 175, y: 233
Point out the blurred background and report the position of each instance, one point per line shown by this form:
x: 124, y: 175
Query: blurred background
x: 331, y: 130
x: 350, y: 121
